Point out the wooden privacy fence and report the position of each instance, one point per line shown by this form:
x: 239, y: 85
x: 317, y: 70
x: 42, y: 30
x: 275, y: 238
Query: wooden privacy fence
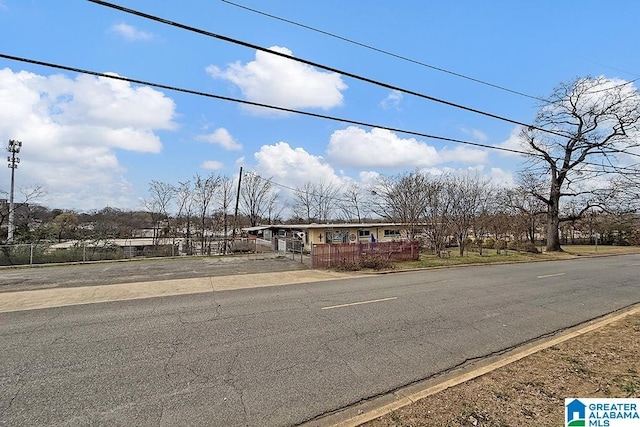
x: 330, y: 255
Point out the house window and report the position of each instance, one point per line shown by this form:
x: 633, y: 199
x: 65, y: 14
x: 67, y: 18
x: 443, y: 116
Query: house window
x: 364, y: 233
x: 391, y: 233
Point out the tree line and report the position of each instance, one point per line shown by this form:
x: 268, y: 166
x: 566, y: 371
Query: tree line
x: 580, y: 168
x: 464, y: 209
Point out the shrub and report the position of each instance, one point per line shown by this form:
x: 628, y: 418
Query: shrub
x: 489, y: 243
x: 531, y: 248
x: 347, y: 266
x: 376, y: 262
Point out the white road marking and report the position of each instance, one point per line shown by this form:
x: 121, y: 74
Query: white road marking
x: 358, y: 303
x: 551, y: 275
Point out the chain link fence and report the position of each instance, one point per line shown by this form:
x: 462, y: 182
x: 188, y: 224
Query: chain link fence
x: 46, y: 253
x: 88, y: 251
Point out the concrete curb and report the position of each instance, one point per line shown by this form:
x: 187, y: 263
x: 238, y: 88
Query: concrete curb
x: 369, y: 410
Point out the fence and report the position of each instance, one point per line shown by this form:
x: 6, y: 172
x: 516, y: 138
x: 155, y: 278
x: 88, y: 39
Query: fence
x: 86, y: 251
x: 291, y: 248
x: 45, y: 253
x: 331, y: 255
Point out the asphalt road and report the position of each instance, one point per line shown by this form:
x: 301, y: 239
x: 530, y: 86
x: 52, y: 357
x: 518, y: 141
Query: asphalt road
x: 283, y: 355
x: 139, y: 270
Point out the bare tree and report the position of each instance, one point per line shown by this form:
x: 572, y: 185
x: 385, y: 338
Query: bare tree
x: 353, y: 203
x: 111, y: 223
x: 255, y: 194
x: 436, y: 213
x: 527, y: 210
x: 274, y: 209
x: 204, y: 190
x: 302, y: 203
x: 226, y: 195
x: 488, y: 207
x: 315, y: 202
x: 467, y: 194
x: 324, y: 198
x: 185, y: 203
x: 402, y: 198
x: 158, y: 203
x: 29, y: 195
x: 35, y: 224
x: 595, y: 125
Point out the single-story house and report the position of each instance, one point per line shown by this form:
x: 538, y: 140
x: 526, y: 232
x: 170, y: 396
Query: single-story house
x: 311, y: 234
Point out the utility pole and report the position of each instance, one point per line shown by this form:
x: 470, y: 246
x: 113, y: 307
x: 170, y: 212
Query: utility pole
x: 235, y: 215
x: 13, y: 148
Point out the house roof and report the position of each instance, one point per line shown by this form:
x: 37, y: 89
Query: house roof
x: 257, y: 228
x: 144, y: 241
x: 325, y: 226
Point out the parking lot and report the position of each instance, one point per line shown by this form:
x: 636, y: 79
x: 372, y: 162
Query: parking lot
x: 104, y: 273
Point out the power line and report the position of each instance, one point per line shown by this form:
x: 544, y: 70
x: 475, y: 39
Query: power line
x: 288, y: 110
x: 335, y: 198
x: 318, y: 65
x: 338, y: 71
x: 295, y: 190
x: 338, y: 197
x: 613, y: 87
x: 384, y: 52
x: 255, y: 104
x: 407, y: 59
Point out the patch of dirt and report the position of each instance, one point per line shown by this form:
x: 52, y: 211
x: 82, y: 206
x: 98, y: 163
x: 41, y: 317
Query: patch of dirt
x: 531, y: 391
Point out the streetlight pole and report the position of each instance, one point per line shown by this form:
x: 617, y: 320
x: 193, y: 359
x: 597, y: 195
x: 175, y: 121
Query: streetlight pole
x: 13, y: 148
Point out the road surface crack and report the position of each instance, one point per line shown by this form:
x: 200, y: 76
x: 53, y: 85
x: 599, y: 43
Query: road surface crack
x: 20, y: 385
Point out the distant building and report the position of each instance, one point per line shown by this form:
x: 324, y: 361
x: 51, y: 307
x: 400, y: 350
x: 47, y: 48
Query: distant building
x: 311, y: 234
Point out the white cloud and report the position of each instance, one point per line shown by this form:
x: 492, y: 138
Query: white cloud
x: 293, y: 166
x: 381, y: 148
x: 369, y: 177
x: 275, y: 80
x: 223, y: 138
x: 476, y: 135
x: 212, y: 165
x: 130, y: 32
x: 512, y: 143
x: 107, y: 102
x: 70, y: 129
x: 501, y: 177
x: 392, y: 101
x: 463, y: 154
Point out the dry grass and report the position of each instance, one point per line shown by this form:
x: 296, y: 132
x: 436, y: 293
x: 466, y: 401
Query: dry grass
x: 581, y: 250
x: 492, y: 256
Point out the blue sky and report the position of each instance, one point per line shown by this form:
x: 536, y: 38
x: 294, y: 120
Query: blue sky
x: 93, y: 142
